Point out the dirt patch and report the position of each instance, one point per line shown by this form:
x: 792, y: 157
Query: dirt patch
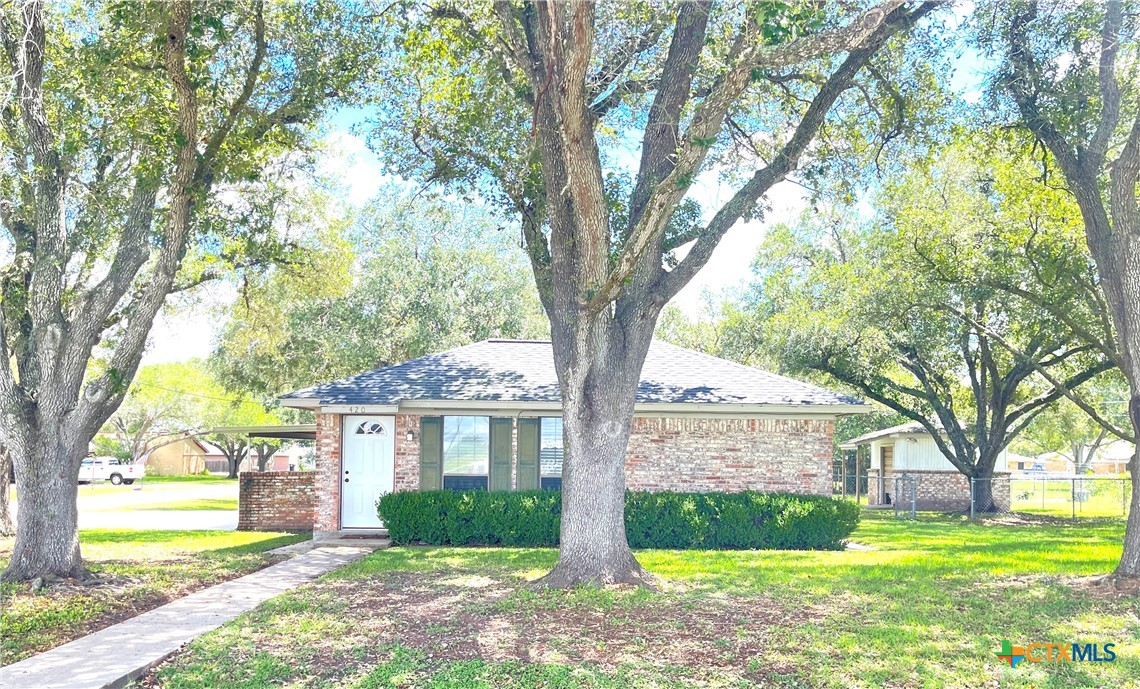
x: 1107, y: 586
x: 1029, y: 519
x: 453, y: 616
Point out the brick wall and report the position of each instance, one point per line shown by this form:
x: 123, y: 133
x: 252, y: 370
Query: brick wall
x: 327, y: 475
x: 681, y: 454
x: 407, y: 463
x: 934, y: 490
x: 276, y: 501
x: 704, y: 454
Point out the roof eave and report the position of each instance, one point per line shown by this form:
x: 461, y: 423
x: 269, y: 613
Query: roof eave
x: 539, y: 407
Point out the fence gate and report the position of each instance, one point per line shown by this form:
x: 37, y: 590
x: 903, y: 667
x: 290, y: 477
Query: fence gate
x: 906, y: 496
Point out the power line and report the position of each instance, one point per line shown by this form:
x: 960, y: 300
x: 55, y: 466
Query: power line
x: 205, y: 397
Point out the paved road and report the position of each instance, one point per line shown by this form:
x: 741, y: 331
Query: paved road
x: 193, y: 520
x: 117, y: 507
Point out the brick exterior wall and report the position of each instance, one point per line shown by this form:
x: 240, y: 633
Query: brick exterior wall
x: 705, y: 455
x: 276, y: 501
x: 679, y: 454
x: 407, y: 469
x: 935, y: 490
x: 326, y: 519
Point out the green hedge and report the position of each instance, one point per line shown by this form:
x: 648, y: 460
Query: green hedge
x: 653, y: 520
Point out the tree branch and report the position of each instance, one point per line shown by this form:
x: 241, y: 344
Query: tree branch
x: 1093, y: 157
x: 745, y: 199
x: 104, y: 394
x: 215, y: 140
x: 1059, y: 387
x: 861, y: 37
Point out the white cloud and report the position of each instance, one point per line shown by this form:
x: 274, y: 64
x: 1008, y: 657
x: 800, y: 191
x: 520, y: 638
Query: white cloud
x: 731, y: 263
x: 348, y: 159
x: 188, y: 327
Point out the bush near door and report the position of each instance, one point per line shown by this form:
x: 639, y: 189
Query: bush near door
x: 748, y: 520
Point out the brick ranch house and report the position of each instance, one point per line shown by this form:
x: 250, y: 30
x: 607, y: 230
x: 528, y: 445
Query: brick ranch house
x: 908, y: 451
x: 487, y: 416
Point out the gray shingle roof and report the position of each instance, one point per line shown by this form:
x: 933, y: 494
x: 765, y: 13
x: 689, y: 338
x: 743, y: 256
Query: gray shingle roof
x: 908, y: 428
x: 523, y: 371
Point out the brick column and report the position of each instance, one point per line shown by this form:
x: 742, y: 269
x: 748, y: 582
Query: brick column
x: 407, y: 459
x: 326, y: 520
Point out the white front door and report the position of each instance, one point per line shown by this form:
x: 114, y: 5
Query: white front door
x: 367, y: 470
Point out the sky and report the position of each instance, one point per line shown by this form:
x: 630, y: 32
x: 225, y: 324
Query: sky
x: 188, y: 329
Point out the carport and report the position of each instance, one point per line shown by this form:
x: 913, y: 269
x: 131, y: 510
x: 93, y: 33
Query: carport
x: 275, y: 500
x: 300, y: 431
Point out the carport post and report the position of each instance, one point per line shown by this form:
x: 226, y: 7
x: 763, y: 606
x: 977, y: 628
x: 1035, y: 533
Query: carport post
x: 856, y: 476
x: 971, y: 498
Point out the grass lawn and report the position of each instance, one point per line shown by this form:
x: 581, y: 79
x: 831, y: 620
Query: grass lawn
x: 194, y: 478
x: 926, y: 607
x: 1095, y: 497
x: 145, y: 568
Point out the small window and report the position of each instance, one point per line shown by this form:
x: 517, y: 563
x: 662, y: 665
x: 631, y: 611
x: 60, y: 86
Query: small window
x: 551, y: 452
x: 370, y: 428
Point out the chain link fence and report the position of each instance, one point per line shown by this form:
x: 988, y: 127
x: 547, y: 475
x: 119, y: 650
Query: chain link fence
x: 1055, y: 496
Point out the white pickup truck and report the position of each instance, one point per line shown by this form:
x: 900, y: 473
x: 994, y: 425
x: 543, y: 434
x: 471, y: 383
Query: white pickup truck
x: 110, y: 469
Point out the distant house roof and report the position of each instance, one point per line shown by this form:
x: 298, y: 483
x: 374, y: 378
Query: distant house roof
x: 522, y: 371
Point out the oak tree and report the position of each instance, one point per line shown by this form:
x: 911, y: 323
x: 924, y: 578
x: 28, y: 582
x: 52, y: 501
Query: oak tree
x: 1069, y: 75
x: 140, y: 145
x: 535, y: 105
x: 910, y: 307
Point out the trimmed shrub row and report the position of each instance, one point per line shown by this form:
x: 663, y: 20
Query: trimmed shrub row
x: 772, y: 521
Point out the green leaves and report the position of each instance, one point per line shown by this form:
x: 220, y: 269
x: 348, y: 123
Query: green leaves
x: 747, y: 520
x: 969, y: 272
x: 781, y: 22
x: 409, y: 277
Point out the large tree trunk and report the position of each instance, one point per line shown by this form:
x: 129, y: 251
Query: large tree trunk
x: 1127, y: 317
x: 1130, y: 559
x: 603, y: 295
x: 983, y: 491
x: 599, y: 390
x: 47, y: 519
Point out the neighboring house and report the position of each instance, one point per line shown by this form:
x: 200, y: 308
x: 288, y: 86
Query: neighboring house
x: 1036, y: 465
x: 908, y: 450
x: 178, y: 458
x: 285, y: 459
x: 488, y: 416
x: 1110, y: 459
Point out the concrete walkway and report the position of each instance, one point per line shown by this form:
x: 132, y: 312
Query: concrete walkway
x: 120, y: 653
